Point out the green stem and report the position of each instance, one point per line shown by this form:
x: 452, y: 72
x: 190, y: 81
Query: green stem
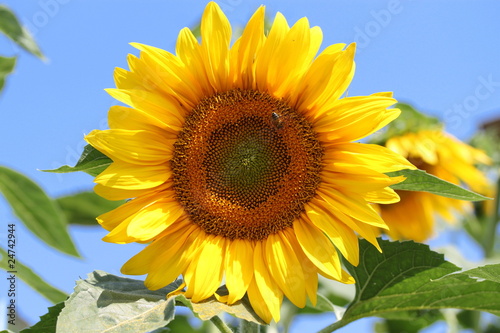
x: 333, y: 327
x: 489, y: 243
x: 220, y: 324
x: 249, y: 327
x: 476, y: 320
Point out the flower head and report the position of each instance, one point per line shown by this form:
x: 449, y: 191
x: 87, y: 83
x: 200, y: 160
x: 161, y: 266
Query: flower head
x: 444, y: 156
x: 241, y: 163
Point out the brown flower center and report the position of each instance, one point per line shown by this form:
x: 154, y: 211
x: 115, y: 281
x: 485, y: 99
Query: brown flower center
x: 244, y: 164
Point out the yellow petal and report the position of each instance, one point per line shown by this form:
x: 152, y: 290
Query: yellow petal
x: 309, y: 269
x: 385, y: 196
x: 367, y: 231
x: 135, y: 147
x: 291, y: 57
x: 133, y: 177
x: 318, y: 249
x: 164, y: 110
x: 266, y: 286
x: 372, y: 156
x: 171, y: 259
x: 113, y: 218
x: 121, y: 117
x: 352, y: 205
x: 147, y: 222
x: 189, y: 51
x: 215, y: 39
x: 245, y: 50
x: 261, y: 305
x: 171, y: 74
x: 155, y: 218
x: 327, y: 79
x: 339, y: 234
x: 285, y: 268
x: 353, y: 118
x: 265, y: 74
x: 239, y: 269
x: 204, y: 274
x: 121, y: 194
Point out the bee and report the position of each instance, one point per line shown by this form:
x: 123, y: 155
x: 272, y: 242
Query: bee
x: 277, y: 120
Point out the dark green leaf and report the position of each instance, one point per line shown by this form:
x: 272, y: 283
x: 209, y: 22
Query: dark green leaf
x: 84, y: 207
x: 48, y: 321
x: 36, y: 210
x: 408, y: 322
x: 410, y: 277
x: 7, y: 65
x: 469, y: 319
x: 32, y: 279
x: 92, y: 162
x: 419, y: 180
x: 11, y: 27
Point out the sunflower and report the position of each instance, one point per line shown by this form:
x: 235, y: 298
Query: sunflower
x: 240, y: 162
x: 446, y: 157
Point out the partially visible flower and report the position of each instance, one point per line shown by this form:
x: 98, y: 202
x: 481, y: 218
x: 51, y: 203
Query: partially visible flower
x: 446, y: 157
x: 241, y: 162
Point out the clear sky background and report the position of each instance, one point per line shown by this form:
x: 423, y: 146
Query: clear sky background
x: 441, y: 56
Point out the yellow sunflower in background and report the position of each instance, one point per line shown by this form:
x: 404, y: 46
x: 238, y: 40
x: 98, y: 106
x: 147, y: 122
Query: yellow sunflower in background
x: 240, y: 162
x: 446, y: 157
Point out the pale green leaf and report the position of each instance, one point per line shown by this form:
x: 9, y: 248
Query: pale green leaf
x: 11, y: 27
x: 419, y: 180
x: 29, y: 277
x: 7, y: 65
x: 105, y: 302
x: 36, y: 210
x: 91, y: 161
x: 410, y: 277
x: 108, y: 303
x: 83, y: 208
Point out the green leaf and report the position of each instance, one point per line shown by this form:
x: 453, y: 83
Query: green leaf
x: 83, y: 208
x: 48, y: 321
x: 36, y: 210
x: 7, y: 65
x: 31, y: 278
x: 92, y: 161
x: 419, y: 180
x: 410, y: 277
x: 108, y: 303
x: 408, y: 322
x: 182, y: 324
x: 105, y: 302
x: 11, y: 27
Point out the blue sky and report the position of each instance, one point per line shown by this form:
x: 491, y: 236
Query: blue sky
x: 442, y: 56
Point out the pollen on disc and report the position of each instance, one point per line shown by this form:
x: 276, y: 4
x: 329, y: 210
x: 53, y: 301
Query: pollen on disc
x: 244, y: 164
